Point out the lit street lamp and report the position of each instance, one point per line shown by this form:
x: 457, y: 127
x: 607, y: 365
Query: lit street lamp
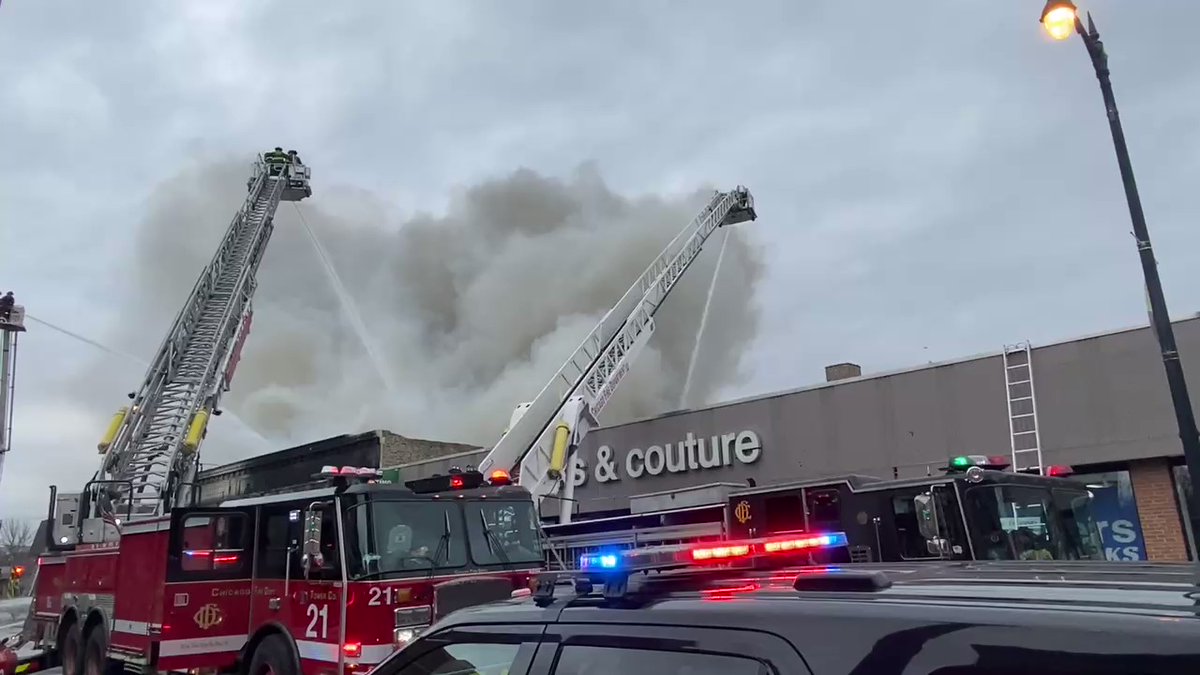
x: 1061, y: 18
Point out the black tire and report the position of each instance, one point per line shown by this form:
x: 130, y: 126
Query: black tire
x: 70, y: 650
x: 95, y: 653
x: 273, y: 656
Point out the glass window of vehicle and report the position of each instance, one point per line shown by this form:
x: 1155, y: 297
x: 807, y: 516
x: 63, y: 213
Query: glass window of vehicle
x: 584, y: 660
x: 390, y: 538
x: 824, y: 509
x: 212, y: 542
x: 909, y: 540
x: 503, y: 532
x: 1015, y: 522
x: 278, y: 541
x: 1079, y: 525
x: 464, y: 659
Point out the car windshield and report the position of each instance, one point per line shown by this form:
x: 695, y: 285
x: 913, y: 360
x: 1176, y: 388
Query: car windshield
x: 503, y: 532
x: 398, y: 538
x: 1019, y: 522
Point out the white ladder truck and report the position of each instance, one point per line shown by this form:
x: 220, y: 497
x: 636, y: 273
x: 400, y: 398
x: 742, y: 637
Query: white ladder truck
x: 151, y: 446
x: 544, y: 433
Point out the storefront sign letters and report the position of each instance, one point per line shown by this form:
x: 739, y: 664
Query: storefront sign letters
x: 1119, y: 525
x: 690, y: 454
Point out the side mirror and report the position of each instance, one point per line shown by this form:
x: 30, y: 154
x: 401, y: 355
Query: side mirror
x: 312, y: 558
x: 926, y: 518
x: 938, y: 546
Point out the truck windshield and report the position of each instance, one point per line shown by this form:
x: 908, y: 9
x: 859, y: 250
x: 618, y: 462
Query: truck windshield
x: 1020, y: 522
x: 405, y: 538
x: 503, y: 533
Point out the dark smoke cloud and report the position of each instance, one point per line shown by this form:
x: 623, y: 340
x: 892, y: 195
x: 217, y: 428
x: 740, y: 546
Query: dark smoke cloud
x: 469, y: 312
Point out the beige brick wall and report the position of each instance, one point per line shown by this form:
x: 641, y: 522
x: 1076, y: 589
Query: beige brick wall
x: 1158, y: 509
x: 395, y: 449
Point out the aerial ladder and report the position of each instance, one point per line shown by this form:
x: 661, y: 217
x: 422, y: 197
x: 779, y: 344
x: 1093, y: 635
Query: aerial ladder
x: 150, y: 448
x: 544, y: 433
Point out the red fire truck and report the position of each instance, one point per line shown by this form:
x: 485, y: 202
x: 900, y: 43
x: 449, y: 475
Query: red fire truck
x: 143, y: 573
x: 329, y: 579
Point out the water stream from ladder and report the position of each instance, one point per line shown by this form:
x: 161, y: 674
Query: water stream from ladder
x: 712, y: 286
x: 349, y: 308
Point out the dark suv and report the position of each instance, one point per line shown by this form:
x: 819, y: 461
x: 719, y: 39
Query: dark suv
x: 685, y: 610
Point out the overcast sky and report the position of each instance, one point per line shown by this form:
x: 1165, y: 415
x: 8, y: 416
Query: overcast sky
x: 933, y: 179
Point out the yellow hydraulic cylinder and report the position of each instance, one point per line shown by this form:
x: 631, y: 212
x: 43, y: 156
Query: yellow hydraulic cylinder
x: 558, y: 454
x: 114, y: 427
x: 195, y: 432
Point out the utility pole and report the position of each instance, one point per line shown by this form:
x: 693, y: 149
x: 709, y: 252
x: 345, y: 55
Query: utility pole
x: 1061, y: 18
x: 12, y: 322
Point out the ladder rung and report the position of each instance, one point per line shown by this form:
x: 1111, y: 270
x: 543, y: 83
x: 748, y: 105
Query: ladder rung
x: 1017, y: 417
x: 1020, y: 398
x: 1020, y: 433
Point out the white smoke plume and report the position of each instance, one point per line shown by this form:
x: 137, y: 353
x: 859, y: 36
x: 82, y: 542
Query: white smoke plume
x: 470, y: 312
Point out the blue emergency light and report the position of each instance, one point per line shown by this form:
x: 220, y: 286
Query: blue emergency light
x: 694, y: 555
x: 599, y: 561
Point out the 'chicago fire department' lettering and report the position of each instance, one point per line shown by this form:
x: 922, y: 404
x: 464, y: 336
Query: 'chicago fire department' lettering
x: 229, y: 592
x: 208, y: 616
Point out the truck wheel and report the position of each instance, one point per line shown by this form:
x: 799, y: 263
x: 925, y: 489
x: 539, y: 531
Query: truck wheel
x: 272, y: 657
x: 71, y: 650
x: 95, y: 653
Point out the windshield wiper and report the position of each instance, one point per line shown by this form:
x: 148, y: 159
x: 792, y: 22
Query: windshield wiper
x: 493, y: 541
x: 443, y: 544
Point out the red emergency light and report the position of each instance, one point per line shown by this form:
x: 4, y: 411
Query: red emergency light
x: 330, y: 471
x: 455, y: 480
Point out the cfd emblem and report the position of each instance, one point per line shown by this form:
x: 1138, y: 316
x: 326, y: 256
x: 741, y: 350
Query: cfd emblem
x: 742, y: 512
x: 208, y: 616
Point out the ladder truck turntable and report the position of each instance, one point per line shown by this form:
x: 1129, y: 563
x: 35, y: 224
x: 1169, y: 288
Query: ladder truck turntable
x: 326, y: 577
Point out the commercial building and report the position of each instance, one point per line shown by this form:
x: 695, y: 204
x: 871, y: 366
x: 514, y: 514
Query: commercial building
x: 1098, y: 404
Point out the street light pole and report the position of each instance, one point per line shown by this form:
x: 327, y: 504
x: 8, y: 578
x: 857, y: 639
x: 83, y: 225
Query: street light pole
x: 1055, y: 17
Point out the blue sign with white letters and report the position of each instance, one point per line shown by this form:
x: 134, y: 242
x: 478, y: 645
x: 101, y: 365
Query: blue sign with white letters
x: 1120, y: 528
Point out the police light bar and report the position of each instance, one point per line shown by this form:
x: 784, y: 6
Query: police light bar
x: 698, y: 555
x: 963, y: 462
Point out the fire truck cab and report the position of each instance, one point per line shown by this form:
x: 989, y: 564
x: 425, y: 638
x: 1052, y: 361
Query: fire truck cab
x: 977, y: 510
x: 326, y: 580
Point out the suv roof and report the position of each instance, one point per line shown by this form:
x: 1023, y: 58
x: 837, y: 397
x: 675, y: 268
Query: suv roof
x: 1105, y: 595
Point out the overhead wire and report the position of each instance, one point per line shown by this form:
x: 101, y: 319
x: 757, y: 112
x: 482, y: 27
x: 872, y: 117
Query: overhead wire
x: 141, y: 362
